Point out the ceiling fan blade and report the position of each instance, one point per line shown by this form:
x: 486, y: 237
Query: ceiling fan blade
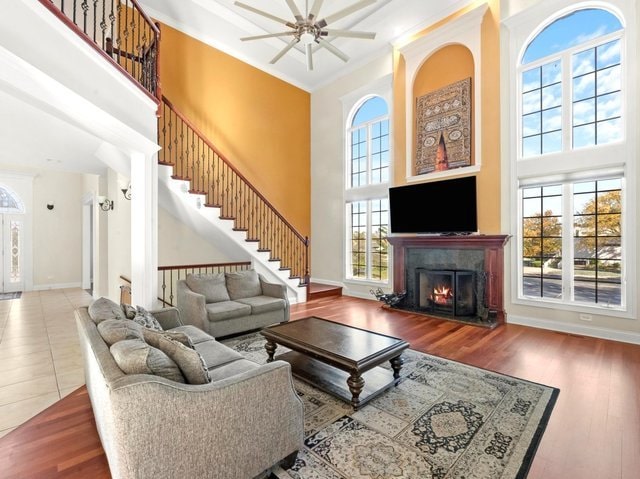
x: 265, y: 14
x: 269, y: 35
x: 308, y: 49
x: 315, y: 8
x: 344, y: 12
x: 348, y: 33
x: 333, y: 49
x: 294, y: 9
x: 284, y: 50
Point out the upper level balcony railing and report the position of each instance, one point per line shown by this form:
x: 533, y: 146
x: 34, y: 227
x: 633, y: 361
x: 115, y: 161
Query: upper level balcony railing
x: 120, y: 31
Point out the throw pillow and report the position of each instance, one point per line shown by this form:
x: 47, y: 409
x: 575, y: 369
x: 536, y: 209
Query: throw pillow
x: 211, y: 286
x: 243, y: 284
x: 129, y: 311
x: 146, y: 319
x: 104, y: 308
x: 114, y: 330
x: 151, y: 337
x: 188, y: 360
x: 134, y: 356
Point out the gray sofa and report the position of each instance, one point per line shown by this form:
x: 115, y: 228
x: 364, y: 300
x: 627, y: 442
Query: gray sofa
x: 247, y: 419
x: 222, y: 304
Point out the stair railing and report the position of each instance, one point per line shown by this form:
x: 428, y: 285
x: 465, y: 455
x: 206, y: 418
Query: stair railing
x: 194, y: 158
x: 170, y: 275
x: 120, y: 31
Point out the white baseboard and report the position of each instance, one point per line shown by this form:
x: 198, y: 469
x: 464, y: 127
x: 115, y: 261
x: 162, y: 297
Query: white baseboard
x: 581, y: 330
x: 44, y: 287
x: 326, y: 281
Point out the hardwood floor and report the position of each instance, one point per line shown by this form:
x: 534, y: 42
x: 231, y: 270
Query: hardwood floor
x: 594, y: 431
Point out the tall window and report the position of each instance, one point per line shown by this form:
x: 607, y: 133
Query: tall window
x: 366, y: 191
x: 571, y: 155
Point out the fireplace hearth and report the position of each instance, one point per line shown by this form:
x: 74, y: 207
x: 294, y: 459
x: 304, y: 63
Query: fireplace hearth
x: 458, y: 278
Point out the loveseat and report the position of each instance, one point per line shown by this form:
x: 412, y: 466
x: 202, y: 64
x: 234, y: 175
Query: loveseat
x: 247, y: 419
x: 222, y: 304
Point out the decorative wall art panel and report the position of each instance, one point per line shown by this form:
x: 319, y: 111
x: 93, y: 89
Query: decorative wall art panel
x: 443, y: 128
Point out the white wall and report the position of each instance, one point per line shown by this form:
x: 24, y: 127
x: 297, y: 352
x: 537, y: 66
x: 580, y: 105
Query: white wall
x: 57, y: 233
x: 178, y: 244
x: 118, y: 233
x: 327, y: 174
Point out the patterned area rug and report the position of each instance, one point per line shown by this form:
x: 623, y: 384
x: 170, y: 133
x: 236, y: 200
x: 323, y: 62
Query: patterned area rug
x: 444, y: 420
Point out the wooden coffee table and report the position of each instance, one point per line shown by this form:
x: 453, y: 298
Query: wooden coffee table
x: 339, y: 359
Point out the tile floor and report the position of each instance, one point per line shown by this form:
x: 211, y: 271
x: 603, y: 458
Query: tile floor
x: 40, y: 358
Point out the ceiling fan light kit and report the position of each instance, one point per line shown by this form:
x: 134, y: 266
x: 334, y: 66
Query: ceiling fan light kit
x: 308, y: 31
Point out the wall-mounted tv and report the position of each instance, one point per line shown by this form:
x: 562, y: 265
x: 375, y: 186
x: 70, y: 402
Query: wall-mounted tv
x: 446, y: 206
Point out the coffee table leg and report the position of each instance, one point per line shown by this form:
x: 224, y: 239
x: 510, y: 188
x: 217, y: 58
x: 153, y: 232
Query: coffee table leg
x: 356, y: 384
x: 396, y: 364
x: 270, y: 346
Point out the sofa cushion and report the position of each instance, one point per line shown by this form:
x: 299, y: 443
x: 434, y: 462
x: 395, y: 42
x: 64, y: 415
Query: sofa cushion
x: 114, y: 330
x: 211, y: 286
x: 146, y: 319
x: 188, y: 360
x: 243, y: 284
x: 196, y: 335
x: 104, y: 308
x: 216, y: 354
x: 134, y: 356
x: 231, y: 369
x: 263, y: 304
x: 227, y: 310
x: 151, y: 337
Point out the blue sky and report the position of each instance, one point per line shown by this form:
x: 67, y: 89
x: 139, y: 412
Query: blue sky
x: 570, y: 30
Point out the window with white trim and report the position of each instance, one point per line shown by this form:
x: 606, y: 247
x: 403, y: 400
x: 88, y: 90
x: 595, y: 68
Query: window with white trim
x: 571, y: 155
x: 366, y: 191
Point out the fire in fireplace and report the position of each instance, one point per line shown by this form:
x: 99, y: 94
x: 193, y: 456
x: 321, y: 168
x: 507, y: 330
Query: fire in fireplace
x: 447, y: 292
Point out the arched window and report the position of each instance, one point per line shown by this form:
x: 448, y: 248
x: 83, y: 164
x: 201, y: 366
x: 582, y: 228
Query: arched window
x: 571, y: 84
x: 569, y: 160
x: 367, y: 203
x: 9, y: 202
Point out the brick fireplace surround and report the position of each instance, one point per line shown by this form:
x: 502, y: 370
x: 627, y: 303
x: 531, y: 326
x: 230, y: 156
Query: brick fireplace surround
x: 492, y: 247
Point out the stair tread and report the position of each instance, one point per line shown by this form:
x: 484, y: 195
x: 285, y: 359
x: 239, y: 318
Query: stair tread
x: 319, y: 290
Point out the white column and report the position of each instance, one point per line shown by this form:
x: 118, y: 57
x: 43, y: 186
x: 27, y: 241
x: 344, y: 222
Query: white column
x: 144, y: 230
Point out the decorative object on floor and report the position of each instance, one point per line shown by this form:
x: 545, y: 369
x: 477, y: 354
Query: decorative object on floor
x: 443, y: 121
x: 444, y: 420
x: 309, y: 31
x: 14, y: 295
x: 389, y: 299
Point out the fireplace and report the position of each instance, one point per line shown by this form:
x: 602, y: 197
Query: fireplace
x: 471, y: 267
x: 448, y: 292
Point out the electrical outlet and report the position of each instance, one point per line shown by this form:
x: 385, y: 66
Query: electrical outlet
x: 585, y: 317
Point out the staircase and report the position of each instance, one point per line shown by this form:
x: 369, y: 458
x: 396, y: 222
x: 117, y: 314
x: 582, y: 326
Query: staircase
x: 197, y: 181
x: 199, y: 177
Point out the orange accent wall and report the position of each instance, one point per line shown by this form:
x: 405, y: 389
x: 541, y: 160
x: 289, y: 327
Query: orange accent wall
x: 437, y: 72
x: 260, y: 123
x: 442, y: 68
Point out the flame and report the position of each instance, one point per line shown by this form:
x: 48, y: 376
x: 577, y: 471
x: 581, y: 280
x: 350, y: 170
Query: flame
x: 441, y: 294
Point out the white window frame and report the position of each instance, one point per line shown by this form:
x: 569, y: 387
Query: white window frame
x: 571, y: 165
x: 351, y: 103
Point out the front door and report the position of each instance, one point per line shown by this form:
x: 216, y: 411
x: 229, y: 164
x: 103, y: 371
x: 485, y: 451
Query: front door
x: 12, y: 257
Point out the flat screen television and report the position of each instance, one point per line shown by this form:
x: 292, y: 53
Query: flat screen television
x: 438, y: 207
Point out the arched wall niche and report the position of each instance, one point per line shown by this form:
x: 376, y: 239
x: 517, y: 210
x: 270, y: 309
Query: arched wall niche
x: 455, y: 50
x: 449, y: 64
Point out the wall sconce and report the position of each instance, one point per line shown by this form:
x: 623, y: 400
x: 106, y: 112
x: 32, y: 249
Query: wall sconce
x: 50, y: 206
x: 104, y: 203
x: 127, y: 192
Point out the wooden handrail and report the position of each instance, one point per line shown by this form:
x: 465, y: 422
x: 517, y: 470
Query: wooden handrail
x: 233, y: 168
x: 146, y: 17
x: 207, y: 265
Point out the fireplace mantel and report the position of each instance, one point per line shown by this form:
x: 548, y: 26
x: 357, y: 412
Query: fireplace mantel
x: 492, y: 245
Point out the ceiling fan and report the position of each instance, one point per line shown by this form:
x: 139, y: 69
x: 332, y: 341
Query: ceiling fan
x: 309, y: 30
